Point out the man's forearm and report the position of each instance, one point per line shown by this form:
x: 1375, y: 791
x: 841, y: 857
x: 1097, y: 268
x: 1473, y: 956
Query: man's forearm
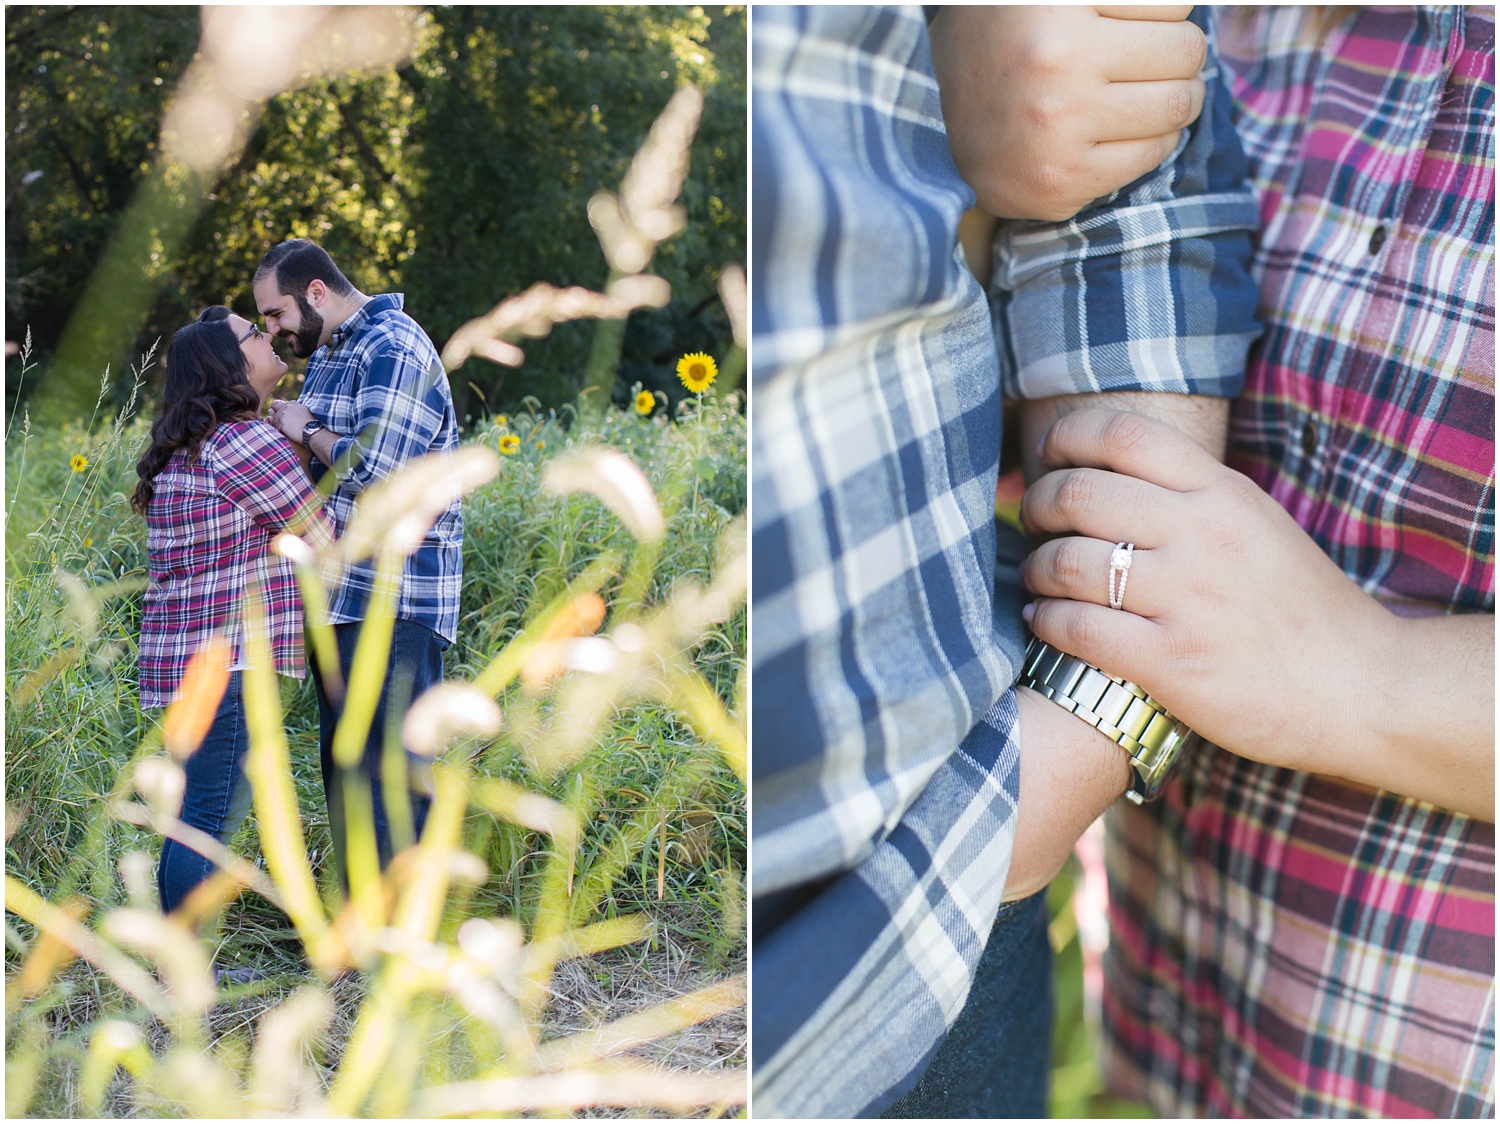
x: 1070, y: 773
x: 304, y: 456
x: 322, y: 443
x: 1205, y: 420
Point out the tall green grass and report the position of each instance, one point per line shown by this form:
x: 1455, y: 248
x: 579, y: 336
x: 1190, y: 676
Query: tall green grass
x: 661, y: 830
x: 575, y: 905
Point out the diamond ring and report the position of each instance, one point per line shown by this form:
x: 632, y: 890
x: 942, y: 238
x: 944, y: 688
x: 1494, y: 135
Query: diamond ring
x: 1119, y: 568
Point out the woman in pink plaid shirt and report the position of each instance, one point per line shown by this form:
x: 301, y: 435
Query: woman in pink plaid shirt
x: 217, y: 484
x: 1305, y: 926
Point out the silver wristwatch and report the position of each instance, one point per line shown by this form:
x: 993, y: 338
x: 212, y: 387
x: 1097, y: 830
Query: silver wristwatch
x: 309, y: 429
x: 1118, y: 709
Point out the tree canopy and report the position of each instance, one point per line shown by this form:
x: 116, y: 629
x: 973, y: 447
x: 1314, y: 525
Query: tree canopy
x: 458, y: 178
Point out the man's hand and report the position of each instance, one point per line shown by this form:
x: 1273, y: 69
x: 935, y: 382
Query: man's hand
x: 1048, y: 109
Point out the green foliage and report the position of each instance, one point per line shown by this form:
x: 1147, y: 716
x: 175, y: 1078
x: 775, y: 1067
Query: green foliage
x: 74, y: 732
x: 1077, y: 1087
x: 459, y: 178
x: 523, y: 115
x: 663, y: 827
x: 85, y: 93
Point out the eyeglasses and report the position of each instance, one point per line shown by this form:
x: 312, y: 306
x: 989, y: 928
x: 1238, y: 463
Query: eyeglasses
x: 253, y: 332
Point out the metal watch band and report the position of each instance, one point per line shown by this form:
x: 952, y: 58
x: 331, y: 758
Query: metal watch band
x: 1118, y: 709
x: 309, y: 429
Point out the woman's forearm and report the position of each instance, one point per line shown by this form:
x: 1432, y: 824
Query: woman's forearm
x: 1429, y: 729
x: 1243, y: 626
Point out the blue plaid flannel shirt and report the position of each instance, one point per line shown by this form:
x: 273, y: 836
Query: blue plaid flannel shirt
x: 885, y: 763
x: 379, y: 382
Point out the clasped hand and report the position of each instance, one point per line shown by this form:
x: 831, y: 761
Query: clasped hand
x: 1050, y: 108
x: 1233, y: 617
x: 289, y: 417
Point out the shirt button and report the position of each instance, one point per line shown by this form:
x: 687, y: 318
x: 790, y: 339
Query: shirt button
x: 1310, y: 438
x: 1377, y: 239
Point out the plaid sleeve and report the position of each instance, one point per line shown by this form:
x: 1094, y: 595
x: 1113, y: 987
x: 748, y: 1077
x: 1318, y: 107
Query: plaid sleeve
x: 876, y: 446
x: 398, y: 411
x: 1146, y: 289
x: 884, y: 815
x: 257, y: 469
x: 857, y: 989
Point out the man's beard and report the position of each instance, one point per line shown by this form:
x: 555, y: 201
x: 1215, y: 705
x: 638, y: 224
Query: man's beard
x: 305, y: 339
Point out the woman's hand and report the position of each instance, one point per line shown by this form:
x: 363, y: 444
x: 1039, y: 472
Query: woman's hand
x: 289, y: 417
x: 1047, y: 109
x: 1240, y: 624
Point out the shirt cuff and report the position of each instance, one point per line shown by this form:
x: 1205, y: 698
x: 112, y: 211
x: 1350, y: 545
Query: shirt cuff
x: 1156, y: 297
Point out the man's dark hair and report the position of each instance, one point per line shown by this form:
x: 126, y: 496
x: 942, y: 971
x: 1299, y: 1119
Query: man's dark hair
x: 297, y: 263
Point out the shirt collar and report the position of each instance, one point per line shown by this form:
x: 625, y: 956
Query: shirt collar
x: 356, y: 323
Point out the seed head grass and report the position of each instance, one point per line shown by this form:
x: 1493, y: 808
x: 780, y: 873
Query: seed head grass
x: 661, y: 835
x: 568, y: 934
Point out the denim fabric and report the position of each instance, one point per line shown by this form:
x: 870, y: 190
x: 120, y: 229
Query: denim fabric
x: 415, y: 664
x: 215, y: 801
x: 997, y: 1056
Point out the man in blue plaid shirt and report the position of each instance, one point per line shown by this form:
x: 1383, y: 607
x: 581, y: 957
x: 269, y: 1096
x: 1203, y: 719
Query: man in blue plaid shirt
x: 887, y: 754
x: 374, y: 397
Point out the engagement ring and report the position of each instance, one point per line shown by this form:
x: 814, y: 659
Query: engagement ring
x: 1119, y: 567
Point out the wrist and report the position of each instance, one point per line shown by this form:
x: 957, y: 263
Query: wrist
x: 1118, y: 709
x: 1421, y: 721
x: 1076, y: 755
x: 1357, y: 718
x: 1384, y: 667
x: 1070, y: 773
x: 324, y: 439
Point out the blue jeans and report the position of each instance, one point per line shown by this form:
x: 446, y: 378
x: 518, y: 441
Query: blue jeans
x: 996, y: 1059
x: 415, y: 664
x: 215, y: 801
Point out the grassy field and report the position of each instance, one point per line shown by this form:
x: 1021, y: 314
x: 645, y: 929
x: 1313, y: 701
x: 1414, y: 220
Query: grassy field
x: 575, y: 920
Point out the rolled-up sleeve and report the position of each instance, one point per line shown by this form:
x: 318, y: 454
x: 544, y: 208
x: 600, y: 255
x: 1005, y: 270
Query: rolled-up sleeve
x: 1148, y: 289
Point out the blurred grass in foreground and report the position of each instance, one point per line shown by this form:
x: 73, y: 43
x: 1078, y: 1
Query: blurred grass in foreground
x: 574, y: 907
x: 548, y: 841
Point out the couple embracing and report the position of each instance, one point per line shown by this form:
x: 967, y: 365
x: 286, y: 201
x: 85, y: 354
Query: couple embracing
x: 1250, y: 358
x: 219, y: 481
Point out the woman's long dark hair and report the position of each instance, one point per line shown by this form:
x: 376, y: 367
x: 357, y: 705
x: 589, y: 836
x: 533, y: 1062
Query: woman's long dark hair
x: 207, y: 383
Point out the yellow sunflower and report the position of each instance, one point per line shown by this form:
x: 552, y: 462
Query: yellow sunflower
x: 502, y: 420
x: 697, y: 371
x: 509, y: 444
x: 541, y: 444
x: 79, y: 462
x: 645, y: 402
